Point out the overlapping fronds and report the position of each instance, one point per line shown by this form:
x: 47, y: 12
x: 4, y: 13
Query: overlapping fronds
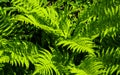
x: 22, y: 6
x: 4, y: 1
x: 9, y: 27
x: 110, y: 59
x: 80, y: 44
x: 89, y: 66
x: 6, y: 25
x: 109, y: 56
x: 112, y: 70
x: 17, y: 52
x: 30, y: 19
x: 76, y: 23
x: 105, y: 63
x: 61, y: 60
x: 41, y: 17
x: 45, y: 64
x: 112, y: 15
x: 96, y: 19
x: 21, y: 53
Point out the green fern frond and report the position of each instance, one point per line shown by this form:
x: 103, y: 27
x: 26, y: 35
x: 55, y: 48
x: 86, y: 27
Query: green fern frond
x: 4, y: 1
x: 110, y: 12
x: 114, y: 69
x: 21, y: 4
x: 80, y: 44
x: 30, y: 19
x: 17, y: 52
x: 48, y: 14
x: 111, y: 31
x: 89, y: 66
x: 6, y: 25
x: 45, y: 64
x: 109, y: 56
x: 110, y: 59
x: 32, y: 13
x: 92, y: 22
x: 78, y: 71
x: 92, y: 66
x: 10, y: 27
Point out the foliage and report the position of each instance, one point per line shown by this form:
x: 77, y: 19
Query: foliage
x: 59, y: 37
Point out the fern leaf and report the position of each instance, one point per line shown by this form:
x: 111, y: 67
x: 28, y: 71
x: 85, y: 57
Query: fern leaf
x: 78, y: 45
x: 110, y: 59
x: 17, y: 52
x: 45, y: 65
x: 6, y: 26
x: 78, y: 71
x: 30, y: 19
x: 89, y: 66
x: 44, y: 18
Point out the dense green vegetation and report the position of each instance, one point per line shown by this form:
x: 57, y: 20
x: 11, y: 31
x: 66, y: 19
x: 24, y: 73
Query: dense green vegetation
x: 59, y: 37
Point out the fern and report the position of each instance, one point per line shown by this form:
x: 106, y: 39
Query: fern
x: 9, y: 28
x: 32, y: 20
x: 102, y: 21
x: 38, y: 16
x: 65, y: 29
x: 6, y: 27
x: 110, y: 59
x: 89, y: 67
x: 78, y: 45
x: 17, y: 53
x: 4, y: 1
x: 45, y: 64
